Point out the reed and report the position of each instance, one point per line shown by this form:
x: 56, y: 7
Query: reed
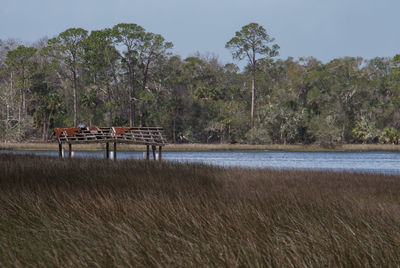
x: 91, y: 212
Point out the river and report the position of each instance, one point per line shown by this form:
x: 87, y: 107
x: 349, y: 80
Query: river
x: 376, y: 162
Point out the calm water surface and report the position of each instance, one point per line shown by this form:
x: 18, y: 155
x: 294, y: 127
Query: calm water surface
x: 381, y: 162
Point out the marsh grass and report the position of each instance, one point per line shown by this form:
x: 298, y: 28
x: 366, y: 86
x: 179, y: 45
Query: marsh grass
x: 91, y: 212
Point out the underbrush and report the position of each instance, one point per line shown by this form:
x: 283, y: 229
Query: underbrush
x: 91, y: 212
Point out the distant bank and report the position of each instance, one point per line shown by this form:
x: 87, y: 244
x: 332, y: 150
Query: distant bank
x: 216, y: 147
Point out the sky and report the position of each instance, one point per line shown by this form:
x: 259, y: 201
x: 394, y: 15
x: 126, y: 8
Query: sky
x: 324, y: 29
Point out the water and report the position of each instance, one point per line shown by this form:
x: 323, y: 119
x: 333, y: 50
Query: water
x: 376, y: 162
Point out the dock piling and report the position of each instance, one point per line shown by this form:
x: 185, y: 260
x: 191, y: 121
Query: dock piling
x: 153, y: 148
x: 115, y: 151
x: 60, y: 154
x: 107, y: 150
x: 69, y: 150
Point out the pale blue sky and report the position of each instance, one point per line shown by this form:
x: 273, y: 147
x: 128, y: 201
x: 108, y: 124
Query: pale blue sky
x: 325, y: 29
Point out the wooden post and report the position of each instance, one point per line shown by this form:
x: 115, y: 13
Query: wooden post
x: 153, y: 148
x: 69, y: 150
x: 159, y: 153
x: 147, y: 152
x: 107, y: 150
x: 115, y: 151
x: 60, y: 150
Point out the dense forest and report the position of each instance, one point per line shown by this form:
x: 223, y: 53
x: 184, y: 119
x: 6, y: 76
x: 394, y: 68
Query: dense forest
x: 126, y: 76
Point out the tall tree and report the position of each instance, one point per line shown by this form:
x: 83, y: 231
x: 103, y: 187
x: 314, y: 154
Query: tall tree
x: 46, y: 102
x: 21, y: 66
x: 100, y: 59
x: 153, y: 48
x: 252, y: 40
x: 130, y: 36
x: 68, y: 46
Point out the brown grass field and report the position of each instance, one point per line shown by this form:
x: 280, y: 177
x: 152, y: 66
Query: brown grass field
x: 98, y: 213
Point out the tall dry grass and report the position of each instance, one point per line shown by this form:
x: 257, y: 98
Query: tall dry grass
x: 90, y: 212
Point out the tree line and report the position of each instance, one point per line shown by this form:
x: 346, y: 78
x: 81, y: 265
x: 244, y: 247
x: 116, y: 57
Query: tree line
x: 126, y: 76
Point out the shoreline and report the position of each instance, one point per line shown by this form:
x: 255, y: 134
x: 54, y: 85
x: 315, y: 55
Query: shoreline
x: 42, y: 146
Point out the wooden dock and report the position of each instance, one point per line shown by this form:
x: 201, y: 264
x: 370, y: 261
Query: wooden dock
x: 149, y: 136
